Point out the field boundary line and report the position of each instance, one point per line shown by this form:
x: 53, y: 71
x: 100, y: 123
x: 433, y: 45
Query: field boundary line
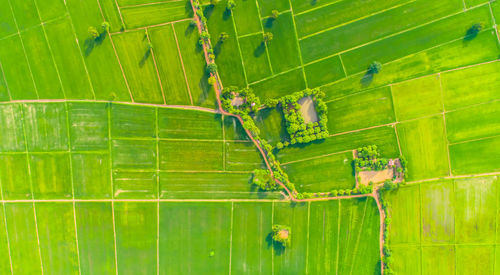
x: 494, y: 21
x: 6, y: 230
x: 149, y: 4
x: 184, y: 107
x: 359, y: 236
x: 223, y: 145
x: 317, y: 157
x: 399, y: 33
x: 154, y: 200
x: 149, y: 26
x: 80, y: 50
x: 343, y: 67
x: 396, y: 117
x: 35, y: 26
x: 31, y: 187
x: 231, y: 237
x: 265, y: 44
x: 476, y: 139
x: 182, y: 65
x: 363, y: 129
x: 455, y: 226
x: 157, y: 123
x: 339, y: 220
x: 420, y: 225
x: 308, y: 229
x: 239, y: 50
x: 298, y: 44
x: 354, y: 20
x: 68, y: 128
x: 274, y: 75
x: 116, y: 54
x: 444, y: 124
x: 454, y: 177
x: 272, y: 241
x: 6, y: 84
x: 318, y: 7
x: 110, y: 147
x: 121, y: 19
x: 249, y: 34
x: 496, y: 230
x: 50, y: 48
x: 24, y: 49
x: 156, y: 68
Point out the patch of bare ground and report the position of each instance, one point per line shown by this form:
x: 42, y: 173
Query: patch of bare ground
x: 307, y: 109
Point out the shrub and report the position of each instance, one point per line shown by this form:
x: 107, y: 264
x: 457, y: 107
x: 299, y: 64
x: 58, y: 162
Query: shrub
x: 268, y: 36
x: 105, y: 27
x: 212, y: 68
x: 374, y: 67
x: 275, y: 14
x: 282, y: 234
x: 230, y: 5
x: 93, y: 32
x: 212, y: 80
x: 263, y: 179
x: 223, y: 37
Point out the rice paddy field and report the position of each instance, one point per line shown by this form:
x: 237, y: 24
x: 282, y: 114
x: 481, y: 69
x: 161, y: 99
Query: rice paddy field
x: 113, y: 151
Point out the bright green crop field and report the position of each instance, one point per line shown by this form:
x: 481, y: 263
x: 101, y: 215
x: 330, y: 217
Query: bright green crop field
x: 115, y: 157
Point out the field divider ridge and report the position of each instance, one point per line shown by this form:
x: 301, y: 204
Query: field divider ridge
x: 182, y: 65
x: 5, y: 80
x: 298, y: 45
x: 156, y: 68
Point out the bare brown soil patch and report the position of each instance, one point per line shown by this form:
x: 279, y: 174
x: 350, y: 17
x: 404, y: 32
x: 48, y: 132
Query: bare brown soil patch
x: 307, y: 109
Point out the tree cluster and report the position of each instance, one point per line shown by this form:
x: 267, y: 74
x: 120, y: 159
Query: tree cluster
x: 251, y: 102
x: 368, y: 159
x: 94, y: 33
x: 282, y: 234
x: 263, y: 179
x: 297, y: 128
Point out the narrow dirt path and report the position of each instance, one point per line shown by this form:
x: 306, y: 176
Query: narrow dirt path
x: 218, y: 88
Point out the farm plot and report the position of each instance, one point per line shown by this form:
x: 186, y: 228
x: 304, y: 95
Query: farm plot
x: 449, y: 221
x: 423, y: 143
x: 322, y: 174
x: 271, y: 124
x: 480, y: 156
x: 361, y: 111
x: 242, y: 156
x: 384, y: 137
x: 189, y: 124
x: 155, y: 13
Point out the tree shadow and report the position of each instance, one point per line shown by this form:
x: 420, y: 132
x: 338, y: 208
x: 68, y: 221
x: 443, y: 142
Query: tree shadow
x: 208, y: 11
x: 226, y: 14
x: 470, y: 35
x: 189, y: 30
x: 278, y: 248
x: 260, y: 49
x: 314, y: 2
x: 90, y: 43
x: 188, y: 9
x: 367, y: 79
x: 217, y: 48
x: 145, y: 58
x: 269, y: 22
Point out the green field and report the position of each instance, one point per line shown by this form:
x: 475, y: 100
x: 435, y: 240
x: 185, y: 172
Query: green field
x: 115, y: 158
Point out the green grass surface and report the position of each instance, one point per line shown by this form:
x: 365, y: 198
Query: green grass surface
x: 483, y: 80
x: 170, y: 65
x: 246, y: 17
x: 107, y: 78
x: 95, y: 237
x: 472, y: 123
x: 272, y: 125
x: 191, y: 155
x: 139, y: 67
x: 417, y: 98
x: 361, y: 111
x: 438, y: 259
x: 233, y: 129
x: 91, y: 175
x: 405, y: 215
x: 242, y: 156
x: 227, y: 53
x: 324, y: 71
x: 4, y: 251
x: 322, y: 174
x: 283, y: 49
x: 475, y: 259
x: 254, y: 56
x: 479, y: 156
x: 135, y: 185
x: 133, y: 121
x: 134, y: 154
x: 15, y: 178
x: 384, y: 137
x: 423, y: 143
x: 136, y: 237
x: 267, y: 6
x: 194, y: 62
x: 111, y: 14
x: 438, y: 212
x: 12, y: 135
x: 142, y: 16
x: 189, y: 124
x: 280, y: 85
x: 45, y: 127
x: 50, y: 175
x: 88, y: 126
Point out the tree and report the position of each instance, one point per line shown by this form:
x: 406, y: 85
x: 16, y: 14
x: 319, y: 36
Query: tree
x: 275, y: 14
x: 282, y: 234
x: 93, y: 32
x: 212, y: 68
x: 230, y: 5
x: 279, y: 145
x: 105, y: 27
x: 268, y: 36
x: 212, y: 80
x: 374, y: 67
x: 263, y: 179
x: 223, y: 37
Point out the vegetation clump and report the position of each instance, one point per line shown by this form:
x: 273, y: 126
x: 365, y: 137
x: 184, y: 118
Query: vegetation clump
x: 262, y: 178
x: 230, y: 5
x: 275, y: 14
x: 374, y: 67
x: 282, y: 234
x: 238, y: 101
x: 297, y: 128
x: 267, y: 37
x: 368, y: 159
